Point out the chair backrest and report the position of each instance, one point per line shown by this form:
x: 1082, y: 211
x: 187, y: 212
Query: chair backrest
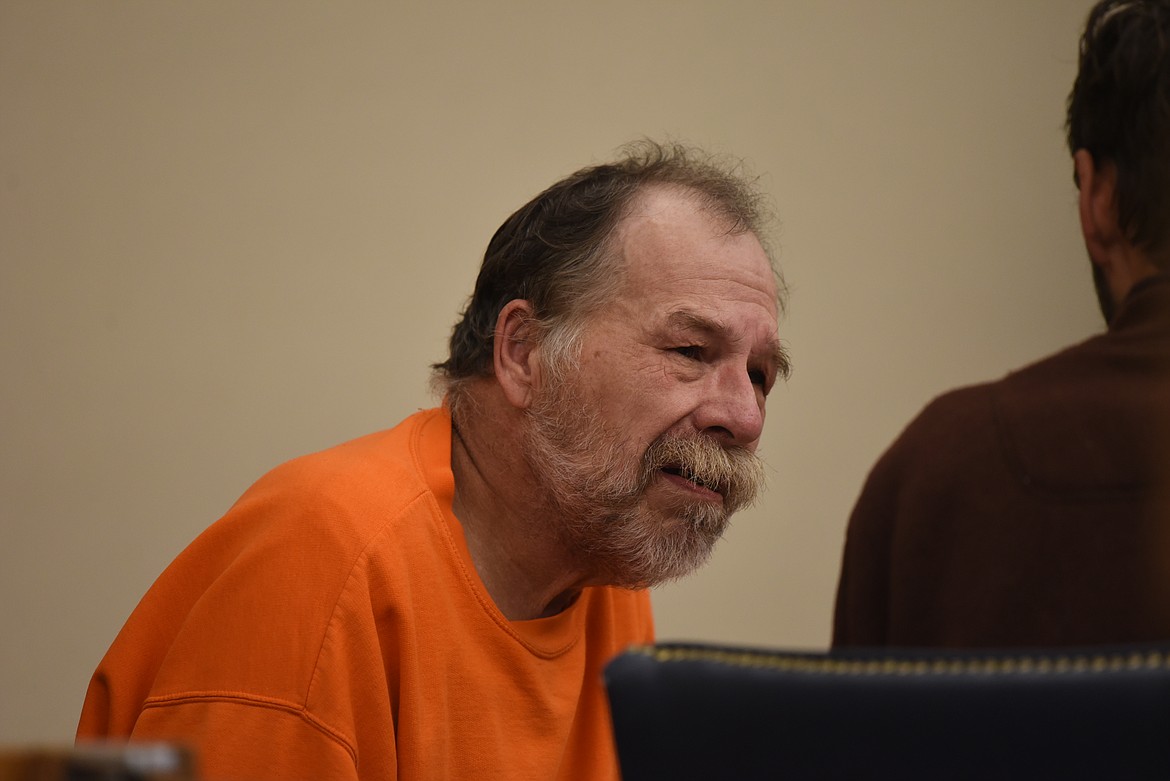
x: 693, y: 711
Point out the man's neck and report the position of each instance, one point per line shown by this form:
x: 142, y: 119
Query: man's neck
x: 510, y: 529
x: 1129, y: 266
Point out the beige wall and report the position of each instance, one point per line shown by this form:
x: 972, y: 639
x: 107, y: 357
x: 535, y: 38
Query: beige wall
x: 231, y: 233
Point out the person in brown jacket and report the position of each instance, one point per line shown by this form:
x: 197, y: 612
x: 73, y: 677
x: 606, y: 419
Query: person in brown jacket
x: 1033, y: 511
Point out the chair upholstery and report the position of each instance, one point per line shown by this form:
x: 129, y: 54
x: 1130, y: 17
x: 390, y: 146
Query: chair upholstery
x: 695, y: 711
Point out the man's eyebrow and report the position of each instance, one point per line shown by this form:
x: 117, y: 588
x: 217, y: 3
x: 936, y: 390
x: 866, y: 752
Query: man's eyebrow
x: 690, y: 321
x: 685, y: 320
x: 779, y: 358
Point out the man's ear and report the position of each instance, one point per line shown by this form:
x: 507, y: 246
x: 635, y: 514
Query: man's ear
x: 1098, y: 207
x: 516, y: 352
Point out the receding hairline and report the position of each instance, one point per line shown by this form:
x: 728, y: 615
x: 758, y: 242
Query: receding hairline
x: 704, y: 203
x: 719, y: 210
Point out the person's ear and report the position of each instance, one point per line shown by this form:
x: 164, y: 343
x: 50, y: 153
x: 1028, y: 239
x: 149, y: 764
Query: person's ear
x: 1098, y: 206
x: 516, y: 353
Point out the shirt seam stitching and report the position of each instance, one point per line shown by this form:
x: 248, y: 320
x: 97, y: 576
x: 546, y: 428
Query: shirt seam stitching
x: 258, y: 701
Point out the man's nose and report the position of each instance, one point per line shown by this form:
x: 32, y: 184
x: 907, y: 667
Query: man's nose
x: 733, y: 408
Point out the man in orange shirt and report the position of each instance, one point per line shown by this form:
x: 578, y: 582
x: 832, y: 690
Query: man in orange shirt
x: 438, y: 600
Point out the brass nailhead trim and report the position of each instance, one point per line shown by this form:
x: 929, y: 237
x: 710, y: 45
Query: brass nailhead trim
x: 1023, y: 664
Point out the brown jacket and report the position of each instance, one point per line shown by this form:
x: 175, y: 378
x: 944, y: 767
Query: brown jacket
x: 1032, y: 511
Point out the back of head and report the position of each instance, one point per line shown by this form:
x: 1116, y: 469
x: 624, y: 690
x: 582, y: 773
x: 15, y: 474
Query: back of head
x: 554, y: 251
x: 1119, y: 110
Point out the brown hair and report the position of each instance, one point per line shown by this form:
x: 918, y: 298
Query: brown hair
x: 1119, y: 110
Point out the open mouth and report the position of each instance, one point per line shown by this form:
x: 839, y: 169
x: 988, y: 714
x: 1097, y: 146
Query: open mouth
x: 694, y: 479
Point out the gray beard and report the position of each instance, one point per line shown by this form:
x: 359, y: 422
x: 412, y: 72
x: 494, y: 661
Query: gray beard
x: 597, y: 490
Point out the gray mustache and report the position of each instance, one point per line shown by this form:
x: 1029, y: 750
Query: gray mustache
x: 735, y: 472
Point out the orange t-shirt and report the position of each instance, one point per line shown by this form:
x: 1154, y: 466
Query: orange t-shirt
x: 332, y: 626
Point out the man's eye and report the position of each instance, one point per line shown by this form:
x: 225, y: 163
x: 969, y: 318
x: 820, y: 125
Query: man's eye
x: 759, y: 378
x: 692, y: 351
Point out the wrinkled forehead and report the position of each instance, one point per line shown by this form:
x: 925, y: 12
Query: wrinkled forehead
x: 673, y: 233
x: 661, y: 221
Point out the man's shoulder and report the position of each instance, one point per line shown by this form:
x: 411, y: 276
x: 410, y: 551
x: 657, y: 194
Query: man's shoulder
x: 958, y: 410
x: 975, y: 412
x: 281, y: 554
x: 1065, y: 363
x: 951, y: 432
x: 376, y: 466
x: 953, y: 412
x: 345, y: 493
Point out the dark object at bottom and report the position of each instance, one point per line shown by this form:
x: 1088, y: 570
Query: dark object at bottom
x: 690, y: 712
